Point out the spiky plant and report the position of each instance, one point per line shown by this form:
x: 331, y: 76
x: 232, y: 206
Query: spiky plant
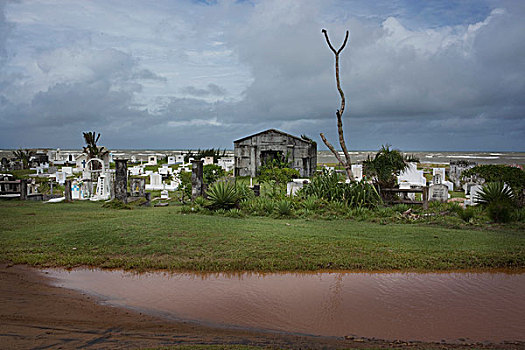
x: 494, y: 192
x: 498, y: 199
x: 223, y: 195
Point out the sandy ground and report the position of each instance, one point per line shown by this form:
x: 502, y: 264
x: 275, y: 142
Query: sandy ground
x: 37, y: 315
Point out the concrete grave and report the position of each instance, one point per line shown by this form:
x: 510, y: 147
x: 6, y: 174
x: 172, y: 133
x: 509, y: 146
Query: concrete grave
x: 172, y: 160
x: 412, y: 176
x: 208, y: 160
x: 60, y: 177
x: 357, y: 171
x: 438, y: 192
x: 295, y: 185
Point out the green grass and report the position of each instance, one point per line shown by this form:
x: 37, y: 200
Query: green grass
x: 84, y: 233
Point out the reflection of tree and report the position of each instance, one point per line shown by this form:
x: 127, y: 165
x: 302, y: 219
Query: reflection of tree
x: 332, y: 304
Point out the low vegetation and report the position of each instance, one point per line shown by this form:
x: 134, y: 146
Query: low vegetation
x: 85, y: 233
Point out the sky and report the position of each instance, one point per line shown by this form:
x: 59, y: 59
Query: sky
x: 178, y: 74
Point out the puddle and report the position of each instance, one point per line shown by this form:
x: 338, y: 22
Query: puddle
x: 407, y: 306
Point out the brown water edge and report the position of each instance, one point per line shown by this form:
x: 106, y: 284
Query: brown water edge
x: 429, y: 307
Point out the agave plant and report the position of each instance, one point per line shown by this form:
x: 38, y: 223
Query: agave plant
x: 494, y: 192
x: 223, y: 195
x: 284, y: 207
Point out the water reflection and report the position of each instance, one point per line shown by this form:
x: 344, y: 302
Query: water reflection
x: 409, y: 306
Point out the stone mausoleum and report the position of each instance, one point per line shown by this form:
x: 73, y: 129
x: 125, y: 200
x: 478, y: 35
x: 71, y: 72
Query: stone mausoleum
x: 255, y: 150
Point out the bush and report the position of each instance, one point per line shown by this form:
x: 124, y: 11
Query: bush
x: 512, y: 176
x: 284, y: 207
x: 494, y: 192
x: 500, y: 211
x: 466, y: 214
x: 211, y: 173
x: 222, y: 195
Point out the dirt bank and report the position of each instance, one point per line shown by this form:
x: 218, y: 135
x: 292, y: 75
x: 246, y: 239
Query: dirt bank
x: 36, y: 315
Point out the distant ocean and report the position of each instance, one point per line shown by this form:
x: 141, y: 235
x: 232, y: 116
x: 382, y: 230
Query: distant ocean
x: 433, y: 157
x: 508, y: 158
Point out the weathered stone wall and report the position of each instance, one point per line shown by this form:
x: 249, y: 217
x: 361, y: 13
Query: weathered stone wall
x: 250, y: 152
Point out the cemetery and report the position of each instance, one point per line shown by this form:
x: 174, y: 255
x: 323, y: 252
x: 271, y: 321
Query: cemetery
x: 270, y: 166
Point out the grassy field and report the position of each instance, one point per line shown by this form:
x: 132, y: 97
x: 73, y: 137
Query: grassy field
x: 84, y: 233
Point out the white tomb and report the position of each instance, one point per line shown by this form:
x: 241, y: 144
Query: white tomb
x: 172, y: 160
x: 155, y: 182
x: 357, y: 172
x: 60, y: 177
x: 412, y: 176
x: 227, y: 163
x: 295, y: 185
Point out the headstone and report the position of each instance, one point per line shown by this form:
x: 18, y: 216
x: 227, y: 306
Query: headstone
x: 67, y: 191
x: 23, y: 189
x: 133, y: 159
x: 121, y: 180
x: 474, y: 192
x: 60, y: 177
x: 256, y: 190
x: 76, y: 192
x: 441, y: 172
x: 438, y: 192
x: 171, y: 160
x: 68, y: 170
x: 5, y: 163
x: 152, y: 160
x: 412, y: 175
x: 52, y: 170
x: 137, y: 187
x: 357, y: 171
x: 227, y: 163
x: 208, y: 160
x: 436, y: 179
x: 409, y: 195
x: 179, y: 159
x: 197, y: 181
x: 164, y: 194
x: 295, y: 185
x: 155, y: 179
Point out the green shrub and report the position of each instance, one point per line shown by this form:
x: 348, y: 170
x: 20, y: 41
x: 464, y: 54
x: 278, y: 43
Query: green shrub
x: 466, y: 214
x: 494, y: 192
x: 284, y: 207
x: 514, y: 177
x: 201, y: 201
x: 519, y: 215
x: 234, y: 213
x: 212, y: 173
x: 311, y: 203
x: 223, y: 195
x: 500, y: 211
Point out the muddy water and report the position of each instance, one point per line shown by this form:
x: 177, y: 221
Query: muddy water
x: 408, y: 306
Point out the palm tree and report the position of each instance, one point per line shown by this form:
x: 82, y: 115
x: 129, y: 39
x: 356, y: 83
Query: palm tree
x: 92, y: 150
x: 23, y: 156
x: 386, y: 165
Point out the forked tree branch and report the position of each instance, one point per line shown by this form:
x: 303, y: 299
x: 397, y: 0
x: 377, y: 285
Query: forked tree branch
x: 339, y: 114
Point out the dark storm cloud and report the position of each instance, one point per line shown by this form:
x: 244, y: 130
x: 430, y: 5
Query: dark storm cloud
x: 453, y: 77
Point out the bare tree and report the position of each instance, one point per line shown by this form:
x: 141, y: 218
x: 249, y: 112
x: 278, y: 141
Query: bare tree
x: 346, y: 162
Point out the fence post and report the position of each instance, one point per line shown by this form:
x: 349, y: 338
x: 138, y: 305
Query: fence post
x: 23, y: 189
x: 425, y: 197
